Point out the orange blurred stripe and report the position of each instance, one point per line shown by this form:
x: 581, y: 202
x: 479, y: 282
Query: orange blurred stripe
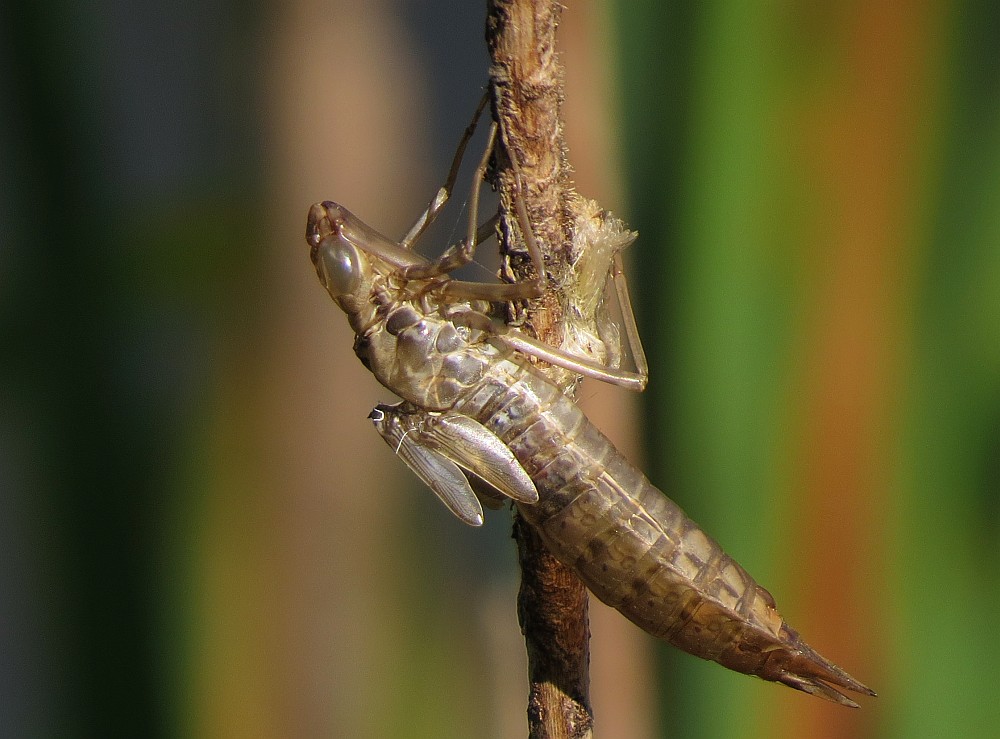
x: 860, y: 139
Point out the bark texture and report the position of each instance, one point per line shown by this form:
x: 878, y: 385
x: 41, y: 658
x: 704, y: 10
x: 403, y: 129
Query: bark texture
x: 526, y: 81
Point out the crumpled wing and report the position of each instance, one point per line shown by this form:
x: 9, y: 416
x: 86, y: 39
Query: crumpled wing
x: 439, y: 447
x: 439, y: 473
x: 475, y: 448
x: 444, y: 477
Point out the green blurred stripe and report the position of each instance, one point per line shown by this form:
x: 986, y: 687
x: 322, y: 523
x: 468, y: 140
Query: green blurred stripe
x: 703, y: 188
x: 705, y: 93
x: 949, y: 533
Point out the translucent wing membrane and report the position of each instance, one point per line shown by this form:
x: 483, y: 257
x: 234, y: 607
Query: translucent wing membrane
x: 439, y: 473
x: 438, y: 447
x: 475, y: 448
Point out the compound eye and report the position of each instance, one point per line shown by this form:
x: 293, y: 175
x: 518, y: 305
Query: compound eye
x: 338, y: 266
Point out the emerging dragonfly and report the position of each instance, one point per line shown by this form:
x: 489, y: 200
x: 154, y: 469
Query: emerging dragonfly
x: 475, y: 408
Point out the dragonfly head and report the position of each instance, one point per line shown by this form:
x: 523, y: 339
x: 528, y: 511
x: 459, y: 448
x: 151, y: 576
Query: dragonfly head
x: 339, y: 263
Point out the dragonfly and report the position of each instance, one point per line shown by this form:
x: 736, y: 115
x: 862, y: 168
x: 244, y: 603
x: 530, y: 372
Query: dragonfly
x: 481, y: 421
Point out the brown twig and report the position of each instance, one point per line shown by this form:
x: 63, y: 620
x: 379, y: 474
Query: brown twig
x: 527, y: 87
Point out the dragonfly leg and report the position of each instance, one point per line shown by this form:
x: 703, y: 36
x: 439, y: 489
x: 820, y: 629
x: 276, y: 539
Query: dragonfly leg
x: 498, y: 292
x: 628, y: 320
x: 585, y: 366
x: 461, y: 253
x: 532, y: 347
x: 521, y: 342
x: 444, y: 192
x: 574, y: 363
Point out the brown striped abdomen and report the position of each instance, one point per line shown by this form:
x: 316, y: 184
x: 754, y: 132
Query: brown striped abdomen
x: 635, y: 548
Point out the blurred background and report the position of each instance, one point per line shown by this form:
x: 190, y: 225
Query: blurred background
x: 201, y: 534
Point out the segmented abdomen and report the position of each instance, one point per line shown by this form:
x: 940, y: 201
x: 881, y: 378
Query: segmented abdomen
x: 635, y: 548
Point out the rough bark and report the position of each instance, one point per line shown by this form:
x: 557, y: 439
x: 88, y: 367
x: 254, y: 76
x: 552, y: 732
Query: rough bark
x: 526, y: 83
